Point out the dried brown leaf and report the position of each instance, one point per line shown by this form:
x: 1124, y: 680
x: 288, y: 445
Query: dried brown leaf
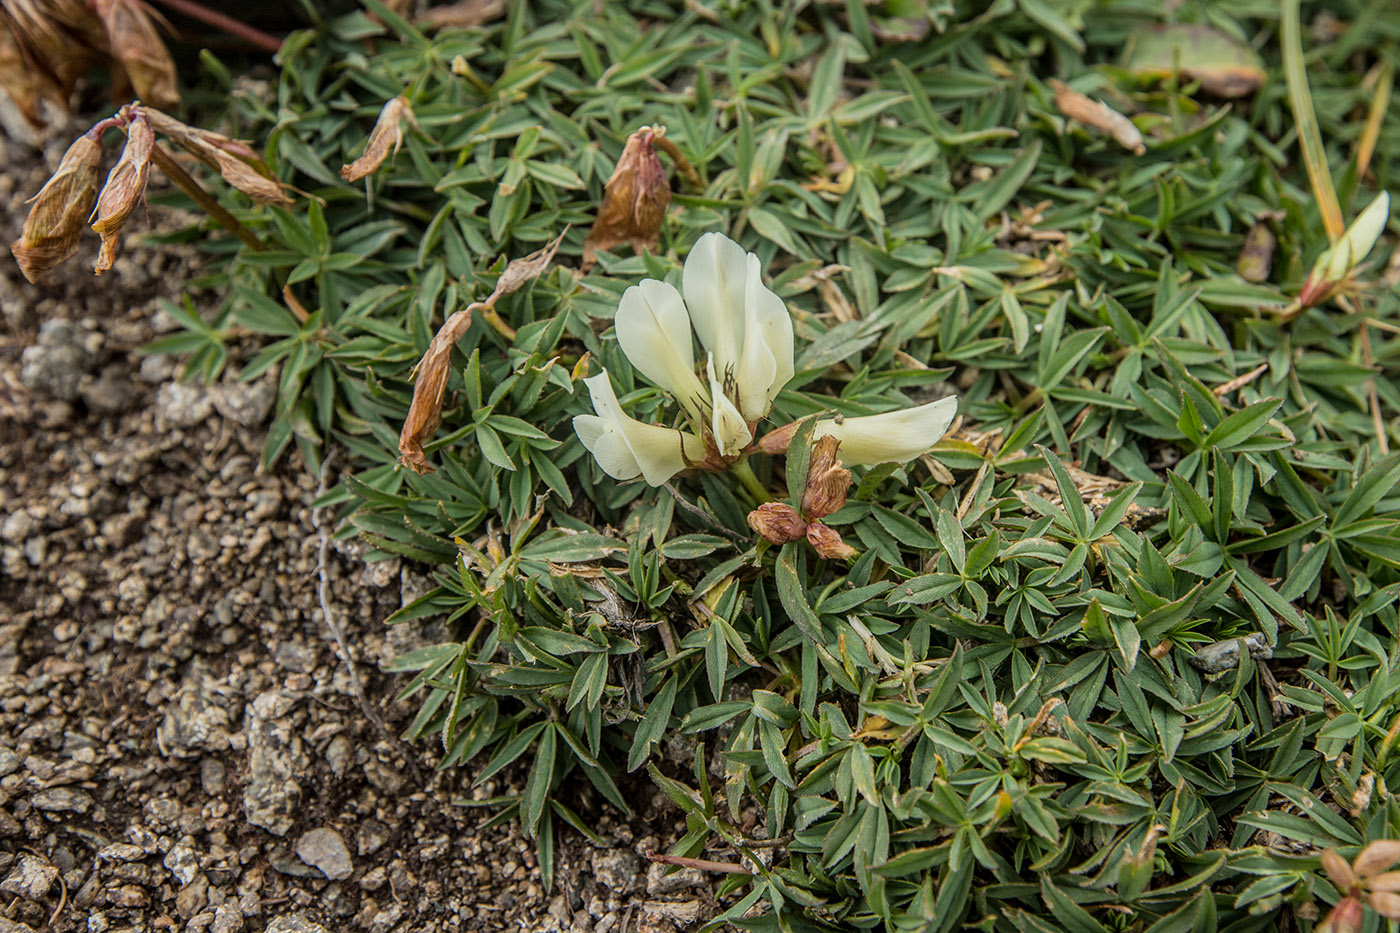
x: 635, y: 200
x: 386, y: 137
x: 125, y: 188
x: 1257, y: 255
x: 1098, y: 115
x: 61, y: 209
x: 131, y: 33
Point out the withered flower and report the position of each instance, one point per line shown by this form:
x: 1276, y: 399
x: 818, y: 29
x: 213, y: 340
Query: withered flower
x: 1367, y: 880
x: 827, y: 542
x: 60, y: 210
x: 635, y: 199
x: 386, y: 137
x: 131, y: 31
x: 1097, y: 114
x: 827, y: 480
x: 236, y: 161
x: 125, y: 188
x: 777, y: 523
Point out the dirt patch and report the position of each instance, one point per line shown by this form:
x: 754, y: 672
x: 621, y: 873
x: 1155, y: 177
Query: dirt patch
x: 180, y: 744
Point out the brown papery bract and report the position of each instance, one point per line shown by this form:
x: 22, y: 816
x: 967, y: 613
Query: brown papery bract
x: 430, y: 381
x: 635, y: 199
x: 385, y: 138
x: 131, y: 32
x: 61, y: 209
x: 827, y: 542
x: 125, y: 188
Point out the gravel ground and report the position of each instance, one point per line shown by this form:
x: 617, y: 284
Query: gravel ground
x: 180, y: 745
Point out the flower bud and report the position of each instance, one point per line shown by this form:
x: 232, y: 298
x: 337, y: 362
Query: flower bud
x: 777, y: 440
x: 635, y: 199
x: 132, y: 35
x: 1338, y: 871
x: 386, y: 137
x: 827, y: 481
x: 1336, y: 263
x: 125, y: 188
x: 1346, y: 917
x: 1385, y: 903
x: 777, y: 523
x: 827, y: 542
x: 1379, y: 856
x: 61, y: 208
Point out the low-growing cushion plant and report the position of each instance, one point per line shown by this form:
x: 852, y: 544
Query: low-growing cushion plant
x: 1118, y: 653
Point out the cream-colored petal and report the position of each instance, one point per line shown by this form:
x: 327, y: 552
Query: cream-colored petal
x: 714, y: 282
x: 607, y: 445
x: 659, y: 453
x: 731, y: 432
x: 653, y: 329
x: 892, y: 437
x: 766, y: 363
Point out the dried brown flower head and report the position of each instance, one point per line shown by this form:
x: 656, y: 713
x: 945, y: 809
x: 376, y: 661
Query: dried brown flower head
x: 827, y: 480
x: 777, y: 523
x: 827, y: 542
x: 125, y: 188
x: 131, y: 33
x: 635, y: 199
x: 61, y: 209
x: 385, y: 138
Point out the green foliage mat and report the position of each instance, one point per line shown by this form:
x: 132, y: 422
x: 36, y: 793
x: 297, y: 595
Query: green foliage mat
x: 991, y: 715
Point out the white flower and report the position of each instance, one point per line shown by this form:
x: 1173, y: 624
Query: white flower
x: 1334, y: 264
x: 895, y: 436
x: 625, y: 447
x: 745, y: 329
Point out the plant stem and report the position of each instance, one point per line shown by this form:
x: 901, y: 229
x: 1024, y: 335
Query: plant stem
x: 750, y: 481
x: 167, y: 164
x: 228, y: 24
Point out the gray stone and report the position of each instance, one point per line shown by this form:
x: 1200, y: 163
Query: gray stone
x: 62, y: 800
x: 227, y: 919
x: 182, y: 862
x: 10, y: 926
x: 272, y: 796
x: 659, y: 882
x: 16, y: 527
x: 54, y: 367
x: 197, y: 720
x: 9, y: 761
x: 180, y: 405
x: 121, y: 852
x: 324, y: 849
x: 617, y: 870
x: 295, y: 923
x: 31, y: 878
x: 245, y: 403
x: 370, y: 836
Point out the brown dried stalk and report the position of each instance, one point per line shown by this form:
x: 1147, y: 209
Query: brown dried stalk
x: 430, y: 383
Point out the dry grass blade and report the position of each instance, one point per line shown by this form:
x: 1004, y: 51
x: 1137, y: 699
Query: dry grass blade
x: 1098, y: 115
x: 1305, y: 118
x: 430, y: 381
x: 1384, y: 82
x: 464, y: 13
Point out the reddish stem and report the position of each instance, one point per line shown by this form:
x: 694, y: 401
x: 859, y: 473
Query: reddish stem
x: 228, y: 24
